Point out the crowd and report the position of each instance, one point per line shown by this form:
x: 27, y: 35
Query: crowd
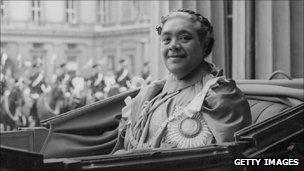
x: 30, y: 99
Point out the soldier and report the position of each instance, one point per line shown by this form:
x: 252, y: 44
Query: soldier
x: 61, y: 77
x: 37, y: 81
x: 111, y: 88
x: 145, y: 73
x: 97, y: 82
x: 37, y: 86
x: 123, y: 76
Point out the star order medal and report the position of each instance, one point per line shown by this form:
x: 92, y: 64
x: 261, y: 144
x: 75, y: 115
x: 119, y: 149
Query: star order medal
x: 188, y: 132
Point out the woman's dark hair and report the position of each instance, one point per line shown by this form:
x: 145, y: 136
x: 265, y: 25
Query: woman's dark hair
x: 205, y: 32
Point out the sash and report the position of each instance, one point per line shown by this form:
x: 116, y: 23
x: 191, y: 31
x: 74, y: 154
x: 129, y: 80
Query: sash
x: 190, y: 110
x: 37, y: 80
x: 123, y: 75
x: 98, y: 80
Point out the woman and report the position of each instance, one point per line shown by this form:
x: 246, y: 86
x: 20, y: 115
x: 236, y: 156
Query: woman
x: 194, y: 106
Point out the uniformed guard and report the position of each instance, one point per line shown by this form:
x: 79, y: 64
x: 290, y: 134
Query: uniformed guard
x: 61, y: 76
x: 97, y: 82
x: 145, y: 73
x: 123, y: 75
x: 111, y: 86
x: 37, y: 81
x: 37, y: 86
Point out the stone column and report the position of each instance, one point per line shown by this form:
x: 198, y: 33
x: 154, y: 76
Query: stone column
x: 238, y: 40
x: 190, y: 4
x: 264, y: 39
x: 296, y: 37
x: 204, y: 8
x: 154, y: 44
x: 281, y: 36
x: 218, y: 21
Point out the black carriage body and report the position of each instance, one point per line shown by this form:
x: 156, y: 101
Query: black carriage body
x: 82, y: 139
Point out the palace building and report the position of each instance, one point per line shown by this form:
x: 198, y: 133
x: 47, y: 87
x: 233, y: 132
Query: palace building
x: 78, y: 33
x: 252, y: 38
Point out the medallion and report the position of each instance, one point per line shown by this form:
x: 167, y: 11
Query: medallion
x: 188, y: 132
x: 190, y: 127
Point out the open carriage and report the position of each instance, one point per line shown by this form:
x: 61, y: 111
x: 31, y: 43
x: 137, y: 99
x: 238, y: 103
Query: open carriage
x: 82, y: 139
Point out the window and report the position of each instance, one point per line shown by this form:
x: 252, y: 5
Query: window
x: 3, y: 10
x: 133, y: 11
x: 106, y: 12
x: 126, y: 12
x: 36, y: 11
x: 111, y: 14
x: 71, y: 12
x: 144, y: 11
x: 141, y: 10
x: 101, y: 11
x: 37, y: 45
x: 136, y: 9
x: 72, y: 46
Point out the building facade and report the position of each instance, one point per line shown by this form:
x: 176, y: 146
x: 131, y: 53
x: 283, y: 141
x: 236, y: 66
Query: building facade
x: 79, y: 33
x: 252, y: 38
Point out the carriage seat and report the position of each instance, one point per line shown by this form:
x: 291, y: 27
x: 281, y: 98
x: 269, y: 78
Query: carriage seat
x: 268, y: 98
x: 262, y: 110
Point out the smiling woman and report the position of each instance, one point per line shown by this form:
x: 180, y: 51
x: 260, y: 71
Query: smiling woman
x: 194, y: 105
x: 185, y: 41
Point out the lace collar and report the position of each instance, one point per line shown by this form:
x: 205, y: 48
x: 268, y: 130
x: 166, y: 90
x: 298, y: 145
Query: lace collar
x: 172, y: 84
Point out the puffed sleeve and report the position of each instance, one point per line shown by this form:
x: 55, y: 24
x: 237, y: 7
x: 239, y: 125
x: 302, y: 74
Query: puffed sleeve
x: 226, y: 110
x: 126, y: 111
x: 131, y: 113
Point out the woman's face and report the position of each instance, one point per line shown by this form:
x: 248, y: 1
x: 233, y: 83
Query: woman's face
x: 181, y: 49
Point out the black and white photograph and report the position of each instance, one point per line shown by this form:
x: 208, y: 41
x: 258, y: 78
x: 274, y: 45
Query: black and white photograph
x: 151, y: 85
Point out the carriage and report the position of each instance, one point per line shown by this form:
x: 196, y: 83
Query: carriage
x: 82, y: 139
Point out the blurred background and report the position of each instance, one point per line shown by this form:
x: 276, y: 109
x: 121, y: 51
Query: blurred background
x: 91, y: 50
